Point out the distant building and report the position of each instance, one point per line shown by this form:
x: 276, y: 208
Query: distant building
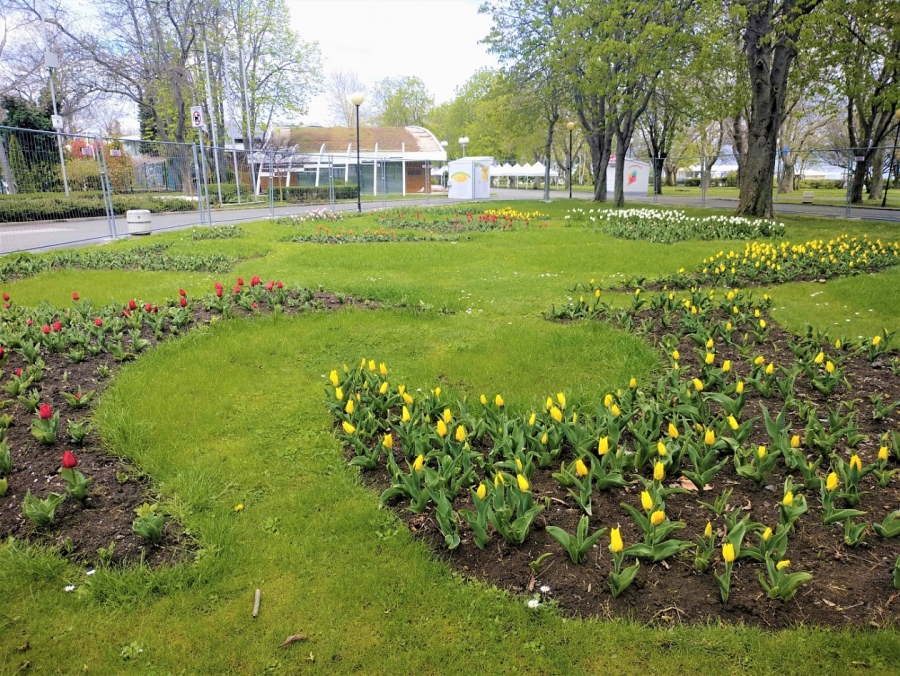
x: 393, y: 160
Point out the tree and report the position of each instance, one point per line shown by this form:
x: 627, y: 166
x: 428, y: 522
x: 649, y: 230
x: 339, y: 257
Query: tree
x: 400, y: 102
x: 341, y: 86
x: 772, y: 31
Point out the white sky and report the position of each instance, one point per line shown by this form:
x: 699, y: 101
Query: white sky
x: 435, y: 40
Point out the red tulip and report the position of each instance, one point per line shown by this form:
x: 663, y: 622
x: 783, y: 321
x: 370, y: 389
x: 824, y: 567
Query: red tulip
x: 279, y: 285
x: 237, y: 289
x: 240, y: 281
x: 75, y: 296
x: 29, y: 321
x: 147, y: 307
x: 45, y: 412
x: 98, y: 321
x: 69, y: 460
x: 57, y: 326
x: 18, y: 373
x: 156, y: 308
x: 126, y: 313
x: 254, y: 305
x: 181, y: 292
x: 132, y: 305
x: 270, y: 286
x: 6, y: 305
x: 5, y: 296
x: 218, y: 285
x: 255, y: 281
x: 2, y: 351
x: 183, y: 301
x: 46, y: 329
x: 219, y: 291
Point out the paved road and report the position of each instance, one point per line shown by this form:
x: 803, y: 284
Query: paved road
x: 39, y: 236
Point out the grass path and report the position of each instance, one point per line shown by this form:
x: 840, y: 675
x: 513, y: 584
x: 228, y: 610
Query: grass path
x: 233, y: 414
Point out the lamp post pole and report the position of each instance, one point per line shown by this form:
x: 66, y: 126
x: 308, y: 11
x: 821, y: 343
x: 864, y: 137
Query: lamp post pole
x: 893, y: 159
x: 570, y: 126
x: 463, y: 142
x: 446, y: 171
x: 357, y: 100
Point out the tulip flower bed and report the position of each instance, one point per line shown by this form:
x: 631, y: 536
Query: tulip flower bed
x: 216, y: 232
x: 672, y: 225
x: 325, y: 236
x: 144, y: 257
x: 754, y: 481
x: 765, y: 263
x: 57, y: 485
x: 451, y: 219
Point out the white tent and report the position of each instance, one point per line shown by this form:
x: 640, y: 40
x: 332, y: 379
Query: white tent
x: 528, y: 171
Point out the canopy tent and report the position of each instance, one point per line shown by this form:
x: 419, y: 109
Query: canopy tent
x: 528, y: 171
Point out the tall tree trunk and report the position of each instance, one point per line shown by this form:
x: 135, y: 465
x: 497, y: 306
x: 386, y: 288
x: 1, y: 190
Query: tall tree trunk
x: 786, y: 185
x: 738, y: 145
x: 769, y: 67
x: 548, y: 147
x: 877, y: 185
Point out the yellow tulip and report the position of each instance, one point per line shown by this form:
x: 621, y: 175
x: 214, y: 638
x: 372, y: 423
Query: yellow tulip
x: 709, y: 438
x: 518, y: 464
x: 698, y: 384
x: 562, y: 399
x: 382, y: 369
x: 498, y: 400
x: 615, y: 541
x: 661, y: 448
x: 407, y: 399
x: 333, y: 377
x: 784, y: 563
x: 761, y: 452
x: 728, y: 552
x: 447, y: 416
x: 657, y: 517
x: 708, y: 531
x: 419, y: 462
x: 829, y: 367
x: 556, y: 414
x: 549, y: 404
x: 615, y: 410
x: 832, y: 482
x: 483, y: 400
x: 795, y: 441
x: 767, y: 533
x: 855, y: 462
x: 523, y: 483
x: 338, y: 393
x: 739, y: 388
x: 756, y: 313
x: 733, y: 423
x: 762, y: 323
x: 759, y: 361
x: 673, y: 431
x: 350, y: 407
x: 709, y: 343
x: 437, y: 391
x: 632, y: 383
x: 788, y: 499
x: 388, y: 441
x: 819, y: 358
x: 728, y: 326
x: 883, y: 454
x: 580, y: 468
x: 659, y: 471
x: 574, y: 417
x: 603, y: 446
x: 532, y: 419
x: 646, y: 501
x: 608, y: 400
x: 837, y: 344
x: 384, y: 388
x: 544, y: 439
x: 404, y: 415
x: 348, y: 428
x: 770, y: 369
x: 498, y: 479
x: 726, y: 366
x: 460, y: 434
x: 675, y: 355
x: 371, y: 364
x: 876, y: 341
x: 481, y: 492
x: 710, y: 358
x: 441, y: 428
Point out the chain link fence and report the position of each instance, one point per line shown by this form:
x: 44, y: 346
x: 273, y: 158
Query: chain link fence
x: 60, y: 189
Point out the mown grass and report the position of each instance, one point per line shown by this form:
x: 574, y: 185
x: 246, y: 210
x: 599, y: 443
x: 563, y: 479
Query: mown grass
x: 233, y: 414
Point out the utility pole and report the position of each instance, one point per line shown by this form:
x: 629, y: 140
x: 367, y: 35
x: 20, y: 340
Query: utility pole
x: 212, y: 122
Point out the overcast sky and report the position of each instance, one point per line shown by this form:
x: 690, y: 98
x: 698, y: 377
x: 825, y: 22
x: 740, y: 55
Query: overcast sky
x: 435, y: 40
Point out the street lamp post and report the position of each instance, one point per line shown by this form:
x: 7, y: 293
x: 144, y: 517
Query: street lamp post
x: 893, y: 158
x: 570, y: 126
x: 356, y: 100
x: 446, y: 171
x: 463, y: 141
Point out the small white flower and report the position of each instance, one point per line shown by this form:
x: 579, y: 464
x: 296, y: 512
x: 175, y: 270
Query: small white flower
x: 533, y: 603
x: 69, y: 588
x: 545, y: 589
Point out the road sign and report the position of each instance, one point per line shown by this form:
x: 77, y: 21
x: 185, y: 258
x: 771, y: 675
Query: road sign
x: 57, y: 121
x: 197, y: 116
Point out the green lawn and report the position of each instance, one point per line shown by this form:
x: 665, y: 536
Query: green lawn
x: 234, y: 413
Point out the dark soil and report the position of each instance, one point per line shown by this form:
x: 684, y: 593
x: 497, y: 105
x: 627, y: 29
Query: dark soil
x: 850, y: 586
x: 116, y: 487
